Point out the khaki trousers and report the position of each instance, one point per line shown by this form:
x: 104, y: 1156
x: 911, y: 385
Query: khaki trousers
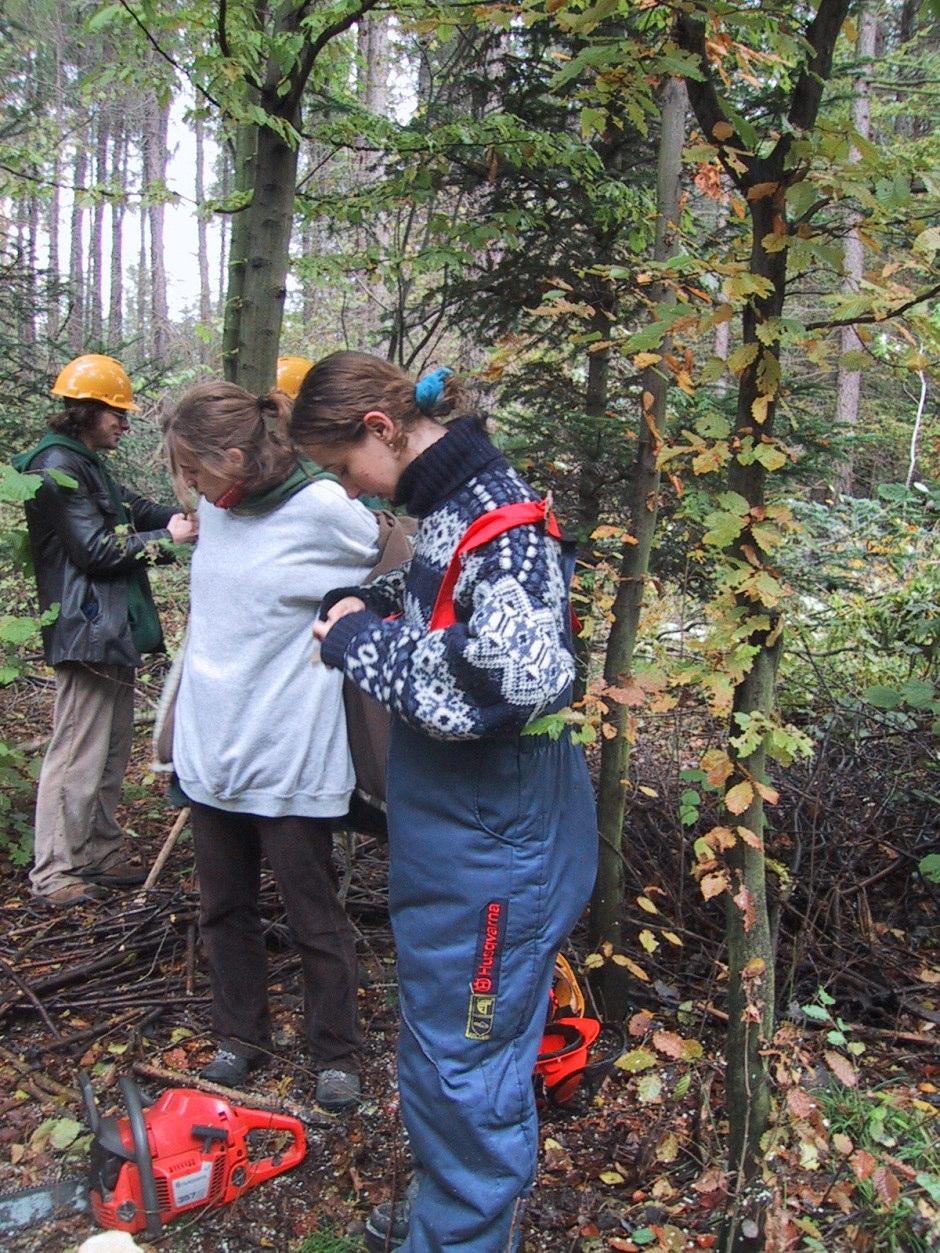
x: 82, y: 772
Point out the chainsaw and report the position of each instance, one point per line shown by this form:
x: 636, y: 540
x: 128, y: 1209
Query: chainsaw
x: 186, y: 1151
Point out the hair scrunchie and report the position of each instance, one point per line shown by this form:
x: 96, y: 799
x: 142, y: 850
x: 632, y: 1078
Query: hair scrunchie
x: 430, y: 389
x: 267, y: 408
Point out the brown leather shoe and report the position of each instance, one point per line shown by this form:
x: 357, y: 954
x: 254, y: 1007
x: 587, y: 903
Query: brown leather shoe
x: 120, y: 874
x: 71, y: 894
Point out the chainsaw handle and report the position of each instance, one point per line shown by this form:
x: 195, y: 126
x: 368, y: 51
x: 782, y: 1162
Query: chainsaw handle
x: 142, y: 1156
x: 88, y: 1099
x: 267, y: 1120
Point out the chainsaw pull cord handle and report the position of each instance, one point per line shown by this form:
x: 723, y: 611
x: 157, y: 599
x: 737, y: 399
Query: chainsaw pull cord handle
x: 267, y: 1120
x: 142, y: 1156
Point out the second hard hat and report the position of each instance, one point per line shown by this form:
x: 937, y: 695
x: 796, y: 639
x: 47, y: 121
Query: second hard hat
x: 291, y: 372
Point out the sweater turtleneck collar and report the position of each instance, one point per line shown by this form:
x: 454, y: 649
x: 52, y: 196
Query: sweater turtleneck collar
x: 445, y: 466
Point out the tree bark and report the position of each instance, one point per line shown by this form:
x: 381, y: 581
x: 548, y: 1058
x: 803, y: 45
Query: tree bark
x: 155, y: 157
x: 143, y: 276
x: 590, y: 487
x: 372, y: 48
x: 96, y: 241
x: 205, y: 295
x: 260, y: 247
x: 225, y: 225
x: 607, y: 900
x: 27, y: 220
x: 53, y: 317
x: 849, y: 382
x: 118, y: 206
x: 76, y: 317
x: 246, y: 140
x: 372, y: 41
x: 750, y: 955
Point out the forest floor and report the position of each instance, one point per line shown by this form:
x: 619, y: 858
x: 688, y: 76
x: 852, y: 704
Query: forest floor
x: 120, y: 988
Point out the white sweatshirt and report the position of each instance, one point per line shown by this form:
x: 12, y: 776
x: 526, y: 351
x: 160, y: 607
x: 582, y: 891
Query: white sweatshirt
x: 259, y: 725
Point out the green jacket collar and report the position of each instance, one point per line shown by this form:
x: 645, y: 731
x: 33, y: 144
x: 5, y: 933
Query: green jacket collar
x: 273, y: 497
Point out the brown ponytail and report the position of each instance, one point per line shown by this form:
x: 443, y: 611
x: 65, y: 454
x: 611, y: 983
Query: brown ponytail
x: 342, y: 388
x: 215, y: 416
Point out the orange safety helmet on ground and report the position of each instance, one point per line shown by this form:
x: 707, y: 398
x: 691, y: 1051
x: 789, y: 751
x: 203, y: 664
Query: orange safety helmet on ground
x: 96, y: 377
x: 291, y: 372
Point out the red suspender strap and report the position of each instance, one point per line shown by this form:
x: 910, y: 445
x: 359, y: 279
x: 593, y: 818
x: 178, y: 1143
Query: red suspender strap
x: 486, y: 528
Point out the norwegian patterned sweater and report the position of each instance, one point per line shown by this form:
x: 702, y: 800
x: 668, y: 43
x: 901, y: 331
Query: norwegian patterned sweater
x: 506, y: 659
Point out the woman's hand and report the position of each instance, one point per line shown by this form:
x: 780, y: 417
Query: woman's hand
x: 349, y: 604
x: 183, y: 528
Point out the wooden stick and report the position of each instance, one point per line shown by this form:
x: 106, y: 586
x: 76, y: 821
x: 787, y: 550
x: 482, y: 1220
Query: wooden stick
x: 28, y: 992
x: 181, y: 819
x: 251, y: 1100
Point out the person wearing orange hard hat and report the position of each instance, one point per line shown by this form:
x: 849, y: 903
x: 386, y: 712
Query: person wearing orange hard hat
x: 291, y: 372
x: 90, y: 539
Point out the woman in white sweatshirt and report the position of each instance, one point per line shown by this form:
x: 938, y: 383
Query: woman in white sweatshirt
x: 259, y: 740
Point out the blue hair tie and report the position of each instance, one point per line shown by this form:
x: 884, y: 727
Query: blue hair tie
x: 430, y: 389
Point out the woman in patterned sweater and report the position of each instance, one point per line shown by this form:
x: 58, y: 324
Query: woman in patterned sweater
x: 492, y: 833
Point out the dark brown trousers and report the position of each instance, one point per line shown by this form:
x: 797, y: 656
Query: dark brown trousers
x: 229, y: 849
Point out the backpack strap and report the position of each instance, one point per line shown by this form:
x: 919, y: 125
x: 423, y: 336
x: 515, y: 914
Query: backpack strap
x: 482, y: 531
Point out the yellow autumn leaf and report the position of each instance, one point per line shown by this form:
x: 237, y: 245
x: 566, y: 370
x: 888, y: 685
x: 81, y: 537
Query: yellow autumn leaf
x: 738, y: 798
x: 759, y: 408
x: 672, y: 938
x: 635, y: 970
x: 648, y: 940
x: 750, y: 838
x: 714, y: 884
x: 643, y: 359
x: 646, y: 904
x: 647, y: 791
x: 610, y: 1176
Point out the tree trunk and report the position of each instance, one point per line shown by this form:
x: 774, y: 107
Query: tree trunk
x: 156, y: 124
x: 310, y: 300
x: 32, y: 247
x: 27, y: 215
x: 849, y: 384
x: 246, y: 139
x: 118, y: 206
x: 607, y: 901
x: 53, y: 320
x: 143, y: 277
x: 750, y: 954
x: 260, y: 247
x: 205, y: 295
x: 372, y: 41
x: 264, y: 261
x: 590, y: 488
x: 96, y: 242
x: 372, y: 47
x: 225, y: 226
x: 76, y: 318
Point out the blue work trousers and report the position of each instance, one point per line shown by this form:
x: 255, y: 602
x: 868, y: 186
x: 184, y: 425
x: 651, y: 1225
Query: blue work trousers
x: 493, y: 855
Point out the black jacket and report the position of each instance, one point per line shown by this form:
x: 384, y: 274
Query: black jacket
x: 82, y: 564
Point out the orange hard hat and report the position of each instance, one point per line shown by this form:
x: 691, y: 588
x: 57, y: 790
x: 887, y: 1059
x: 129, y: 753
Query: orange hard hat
x: 291, y: 372
x: 96, y: 377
